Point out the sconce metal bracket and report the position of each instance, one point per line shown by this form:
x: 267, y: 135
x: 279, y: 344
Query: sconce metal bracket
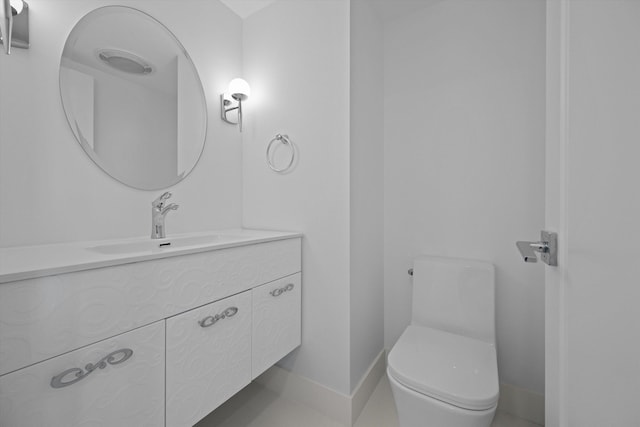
x: 227, y: 105
x: 20, y: 33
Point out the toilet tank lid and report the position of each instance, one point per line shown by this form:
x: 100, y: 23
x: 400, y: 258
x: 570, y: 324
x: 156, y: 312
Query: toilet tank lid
x: 458, y: 370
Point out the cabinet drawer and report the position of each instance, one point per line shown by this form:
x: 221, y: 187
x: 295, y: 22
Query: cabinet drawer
x: 126, y: 388
x: 208, y: 358
x: 276, y: 322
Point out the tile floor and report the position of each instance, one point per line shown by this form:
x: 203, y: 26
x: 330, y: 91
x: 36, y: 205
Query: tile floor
x: 256, y: 406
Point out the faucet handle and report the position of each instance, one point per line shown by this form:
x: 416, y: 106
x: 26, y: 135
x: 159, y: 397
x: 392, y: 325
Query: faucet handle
x: 157, y: 203
x: 169, y: 207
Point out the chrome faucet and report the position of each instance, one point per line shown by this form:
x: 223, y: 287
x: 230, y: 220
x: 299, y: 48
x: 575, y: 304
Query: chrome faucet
x: 158, y: 212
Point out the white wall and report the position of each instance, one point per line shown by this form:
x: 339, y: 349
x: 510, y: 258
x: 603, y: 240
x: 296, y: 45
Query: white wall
x: 366, y: 176
x: 50, y: 191
x: 296, y: 58
x: 464, y: 160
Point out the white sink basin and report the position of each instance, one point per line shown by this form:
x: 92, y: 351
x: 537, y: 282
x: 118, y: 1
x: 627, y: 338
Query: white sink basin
x: 160, y: 245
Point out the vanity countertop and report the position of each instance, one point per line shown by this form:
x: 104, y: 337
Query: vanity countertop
x: 27, y: 262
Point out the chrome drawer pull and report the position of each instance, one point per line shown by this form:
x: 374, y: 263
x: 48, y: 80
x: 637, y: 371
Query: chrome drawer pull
x: 210, y: 320
x: 113, y: 358
x: 280, y: 291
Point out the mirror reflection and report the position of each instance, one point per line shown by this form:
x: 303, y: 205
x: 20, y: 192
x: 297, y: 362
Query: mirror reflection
x: 133, y: 98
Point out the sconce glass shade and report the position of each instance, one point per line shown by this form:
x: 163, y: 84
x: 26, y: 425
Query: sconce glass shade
x: 239, y: 89
x: 17, y: 5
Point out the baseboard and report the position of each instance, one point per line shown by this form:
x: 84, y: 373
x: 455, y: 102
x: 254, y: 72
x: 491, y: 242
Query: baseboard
x: 522, y: 403
x: 342, y: 408
x: 366, y: 386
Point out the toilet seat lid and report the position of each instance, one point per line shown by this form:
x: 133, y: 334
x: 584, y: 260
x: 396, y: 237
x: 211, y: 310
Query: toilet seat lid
x: 452, y: 368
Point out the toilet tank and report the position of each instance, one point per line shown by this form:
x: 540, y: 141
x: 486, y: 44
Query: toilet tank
x: 455, y: 295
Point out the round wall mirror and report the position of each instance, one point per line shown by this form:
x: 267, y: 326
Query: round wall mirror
x: 133, y: 98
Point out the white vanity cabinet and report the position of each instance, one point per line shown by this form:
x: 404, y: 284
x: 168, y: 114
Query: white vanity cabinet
x: 47, y: 316
x: 276, y: 322
x: 208, y: 358
x: 146, y: 342
x: 115, y: 382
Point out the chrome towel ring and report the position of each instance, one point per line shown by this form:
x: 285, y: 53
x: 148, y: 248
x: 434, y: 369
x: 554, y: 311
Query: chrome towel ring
x: 286, y: 141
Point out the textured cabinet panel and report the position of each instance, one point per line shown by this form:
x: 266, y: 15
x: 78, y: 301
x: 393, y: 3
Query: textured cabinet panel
x: 125, y: 394
x: 208, y: 358
x: 276, y: 322
x: 44, y: 317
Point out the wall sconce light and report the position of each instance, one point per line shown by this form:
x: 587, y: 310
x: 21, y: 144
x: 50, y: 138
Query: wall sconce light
x: 238, y: 91
x: 16, y: 24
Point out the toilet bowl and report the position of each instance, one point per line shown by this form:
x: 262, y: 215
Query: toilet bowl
x: 443, y: 368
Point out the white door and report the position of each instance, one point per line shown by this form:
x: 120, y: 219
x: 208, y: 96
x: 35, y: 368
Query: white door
x: 593, y: 201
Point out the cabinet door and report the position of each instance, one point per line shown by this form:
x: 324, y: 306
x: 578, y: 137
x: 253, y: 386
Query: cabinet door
x: 276, y: 322
x: 208, y: 358
x: 115, y: 382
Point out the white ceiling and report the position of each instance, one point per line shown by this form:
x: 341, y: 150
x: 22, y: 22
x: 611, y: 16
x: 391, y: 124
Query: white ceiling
x: 244, y: 8
x: 387, y: 10
x: 390, y: 10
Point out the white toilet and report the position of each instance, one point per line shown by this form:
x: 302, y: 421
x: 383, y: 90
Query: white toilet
x: 443, y: 370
